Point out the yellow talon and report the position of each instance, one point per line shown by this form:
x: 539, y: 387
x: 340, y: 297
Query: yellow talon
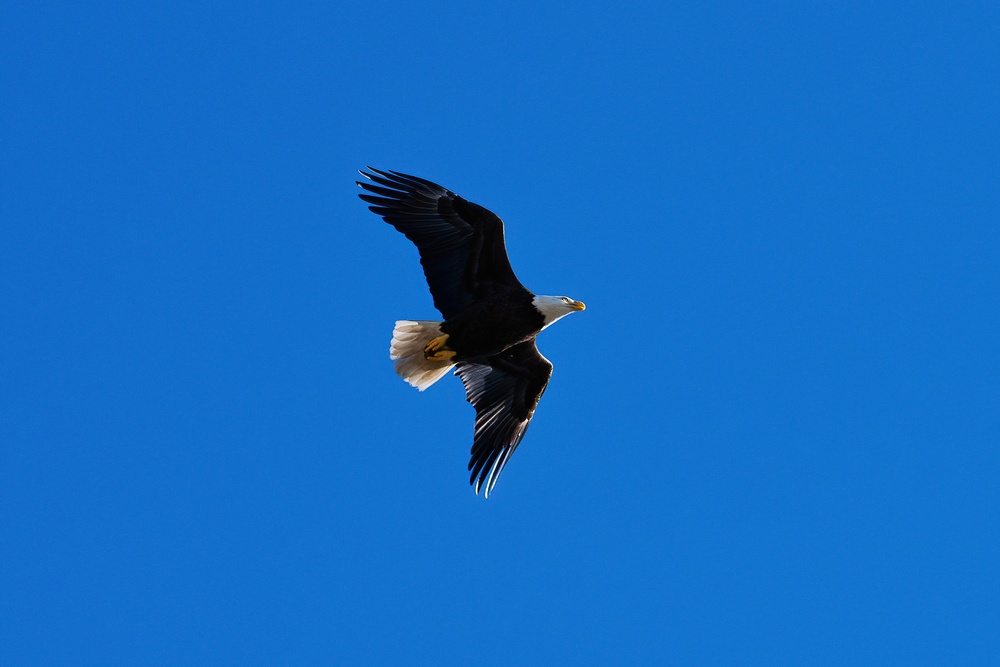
x: 436, y: 350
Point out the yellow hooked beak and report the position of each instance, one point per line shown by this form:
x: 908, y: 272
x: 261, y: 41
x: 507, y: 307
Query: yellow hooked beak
x: 579, y: 305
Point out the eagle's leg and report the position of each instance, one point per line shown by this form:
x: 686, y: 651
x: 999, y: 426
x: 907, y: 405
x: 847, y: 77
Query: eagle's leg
x: 436, y: 350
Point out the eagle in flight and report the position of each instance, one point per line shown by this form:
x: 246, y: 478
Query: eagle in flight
x: 490, y: 318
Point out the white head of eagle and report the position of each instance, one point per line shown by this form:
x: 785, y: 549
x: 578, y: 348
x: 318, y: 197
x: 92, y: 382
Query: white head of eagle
x: 553, y: 308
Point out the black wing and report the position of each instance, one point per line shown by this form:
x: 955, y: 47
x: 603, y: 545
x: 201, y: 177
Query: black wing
x: 505, y: 393
x: 461, y: 244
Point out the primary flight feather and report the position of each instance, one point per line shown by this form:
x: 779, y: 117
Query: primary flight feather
x: 490, y: 318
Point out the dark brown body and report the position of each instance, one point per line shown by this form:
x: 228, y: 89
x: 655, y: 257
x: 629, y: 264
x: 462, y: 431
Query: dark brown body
x: 503, y: 318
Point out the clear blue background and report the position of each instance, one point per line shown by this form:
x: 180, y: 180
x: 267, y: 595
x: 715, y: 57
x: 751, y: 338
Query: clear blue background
x: 772, y: 438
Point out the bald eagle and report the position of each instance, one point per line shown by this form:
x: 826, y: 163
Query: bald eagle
x: 490, y: 318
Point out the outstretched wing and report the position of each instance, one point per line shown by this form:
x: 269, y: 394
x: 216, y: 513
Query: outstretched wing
x: 461, y: 244
x: 505, y: 393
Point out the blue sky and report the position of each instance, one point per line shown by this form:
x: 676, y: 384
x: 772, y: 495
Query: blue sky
x: 772, y: 438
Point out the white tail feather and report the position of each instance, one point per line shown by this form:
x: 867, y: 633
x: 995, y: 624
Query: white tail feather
x: 409, y: 339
